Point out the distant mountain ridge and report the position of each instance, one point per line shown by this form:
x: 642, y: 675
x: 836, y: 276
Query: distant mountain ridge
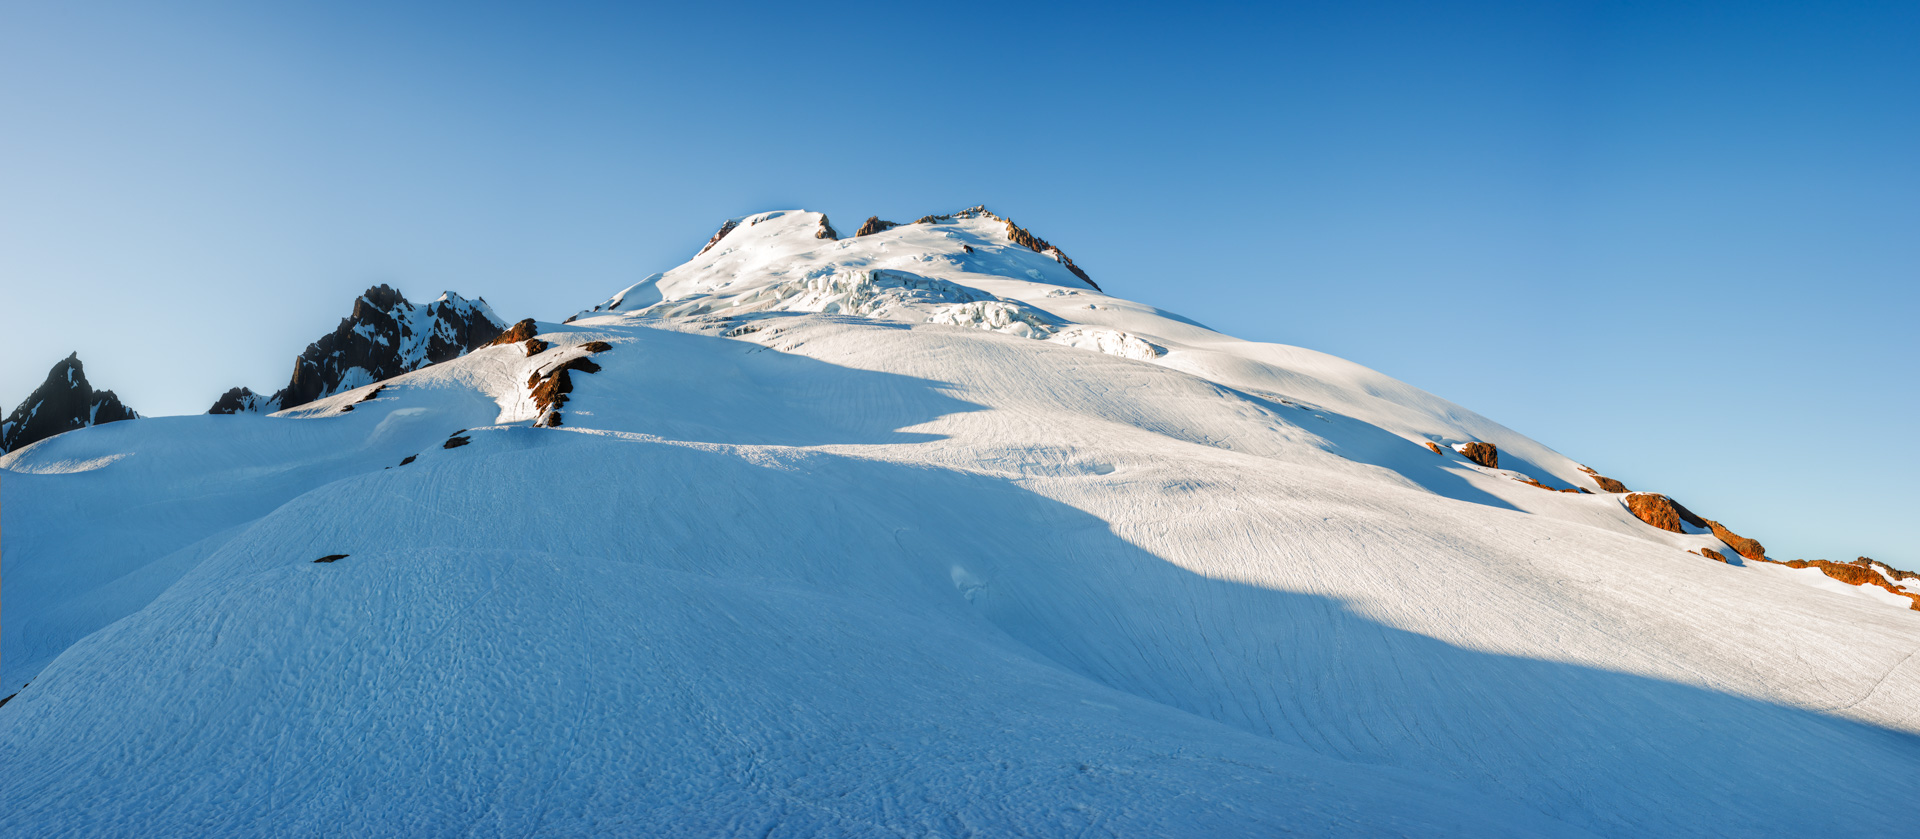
x: 64, y: 402
x: 384, y: 337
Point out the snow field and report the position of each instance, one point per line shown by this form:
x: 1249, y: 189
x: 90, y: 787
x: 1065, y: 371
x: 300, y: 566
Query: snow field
x: 810, y: 566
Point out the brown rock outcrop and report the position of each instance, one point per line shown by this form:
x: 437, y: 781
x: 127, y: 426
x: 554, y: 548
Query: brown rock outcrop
x: 1606, y: 483
x: 1854, y: 575
x: 874, y: 225
x: 1025, y: 238
x: 1435, y: 447
x: 1848, y: 573
x: 1886, y: 570
x: 596, y: 346
x: 1017, y: 234
x: 1485, y: 454
x: 729, y: 227
x: 1741, y: 545
x: 1655, y: 509
x: 1713, y: 554
x: 515, y: 334
x: 551, y: 386
x: 826, y: 230
x: 535, y: 346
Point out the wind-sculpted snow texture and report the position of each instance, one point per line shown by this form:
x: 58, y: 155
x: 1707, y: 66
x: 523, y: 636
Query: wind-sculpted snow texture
x: 850, y: 538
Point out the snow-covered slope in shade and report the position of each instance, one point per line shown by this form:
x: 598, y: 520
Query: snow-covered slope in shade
x: 814, y: 551
x: 62, y: 403
x: 383, y: 337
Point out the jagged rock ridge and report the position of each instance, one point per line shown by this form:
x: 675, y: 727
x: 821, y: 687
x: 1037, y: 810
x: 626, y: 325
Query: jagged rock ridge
x: 384, y: 337
x: 64, y: 402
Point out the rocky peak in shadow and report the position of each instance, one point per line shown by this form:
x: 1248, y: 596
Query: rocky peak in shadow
x: 64, y: 402
x: 384, y: 337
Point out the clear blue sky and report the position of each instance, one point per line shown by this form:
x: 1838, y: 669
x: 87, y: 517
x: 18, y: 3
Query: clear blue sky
x: 1678, y: 242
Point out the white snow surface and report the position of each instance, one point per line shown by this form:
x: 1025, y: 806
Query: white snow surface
x: 882, y: 537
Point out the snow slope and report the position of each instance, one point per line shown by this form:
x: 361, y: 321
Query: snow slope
x: 914, y: 533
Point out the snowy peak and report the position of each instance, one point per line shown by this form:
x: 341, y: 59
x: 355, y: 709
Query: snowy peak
x: 64, y: 402
x: 768, y: 253
x: 1017, y: 235
x: 384, y: 337
x: 969, y: 268
x: 979, y: 270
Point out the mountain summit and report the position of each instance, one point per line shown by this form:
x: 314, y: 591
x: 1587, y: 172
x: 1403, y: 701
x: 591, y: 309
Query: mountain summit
x: 912, y: 532
x: 64, y: 402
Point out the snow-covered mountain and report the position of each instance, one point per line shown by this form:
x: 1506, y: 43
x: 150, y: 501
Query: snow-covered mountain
x: 383, y: 337
x: 64, y: 402
x: 914, y: 532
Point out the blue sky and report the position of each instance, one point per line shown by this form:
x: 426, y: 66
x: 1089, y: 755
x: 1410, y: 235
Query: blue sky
x: 1678, y: 242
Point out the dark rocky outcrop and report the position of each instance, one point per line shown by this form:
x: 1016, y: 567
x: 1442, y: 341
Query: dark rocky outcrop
x: 1485, y: 454
x: 1435, y: 447
x: 1713, y: 554
x: 1741, y: 545
x: 62, y: 403
x: 332, y: 558
x: 239, y: 400
x: 874, y: 225
x: 826, y: 230
x: 384, y: 337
